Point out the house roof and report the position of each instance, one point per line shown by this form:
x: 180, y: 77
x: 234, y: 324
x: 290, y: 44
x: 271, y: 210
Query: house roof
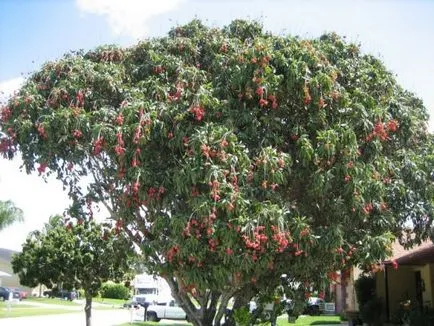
x: 418, y: 255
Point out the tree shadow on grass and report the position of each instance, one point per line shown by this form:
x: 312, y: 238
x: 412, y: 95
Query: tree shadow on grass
x: 326, y: 322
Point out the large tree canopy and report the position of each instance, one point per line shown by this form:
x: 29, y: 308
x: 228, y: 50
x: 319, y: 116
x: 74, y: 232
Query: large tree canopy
x: 232, y: 155
x: 79, y: 255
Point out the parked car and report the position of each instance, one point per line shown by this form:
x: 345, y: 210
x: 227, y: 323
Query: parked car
x: 314, y: 306
x: 23, y: 294
x: 48, y: 293
x: 67, y: 295
x: 62, y: 294
x: 5, y: 293
x: 167, y: 309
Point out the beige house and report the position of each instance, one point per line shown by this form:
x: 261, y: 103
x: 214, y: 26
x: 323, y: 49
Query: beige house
x: 411, y: 281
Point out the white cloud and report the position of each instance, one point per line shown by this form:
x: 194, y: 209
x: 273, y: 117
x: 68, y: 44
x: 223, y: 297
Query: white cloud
x: 8, y: 87
x: 129, y: 17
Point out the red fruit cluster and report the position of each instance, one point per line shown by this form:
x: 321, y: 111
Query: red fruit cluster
x: 6, y: 145
x: 273, y: 101
x: 171, y: 253
x: 136, y: 187
x: 110, y: 56
x: 79, y: 99
x: 281, y: 238
x: 192, y: 226
x: 156, y: 193
x: 135, y: 161
x: 368, y: 208
x: 5, y: 114
x: 304, y: 232
x: 259, y: 91
x: 137, y: 135
x: 259, y: 239
x: 176, y: 95
x: 98, y: 145
x: 215, y: 190
x: 392, y: 125
x: 77, y: 133
x: 119, y: 148
x: 119, y: 224
x: 381, y: 130
x: 120, y: 119
x: 297, y: 251
x: 333, y: 276
x: 262, y: 61
x: 213, y: 243
x: 42, y: 167
x: 42, y: 132
x: 198, y: 112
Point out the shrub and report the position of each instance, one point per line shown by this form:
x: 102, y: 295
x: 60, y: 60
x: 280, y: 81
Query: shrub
x: 369, y: 305
x: 112, y: 290
x: 343, y: 316
x: 365, y: 289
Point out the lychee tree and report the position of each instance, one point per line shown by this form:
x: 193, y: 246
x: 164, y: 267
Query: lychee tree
x: 231, y: 156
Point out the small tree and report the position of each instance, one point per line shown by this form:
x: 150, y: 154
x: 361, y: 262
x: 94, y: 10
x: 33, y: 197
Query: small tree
x: 9, y: 214
x: 80, y: 256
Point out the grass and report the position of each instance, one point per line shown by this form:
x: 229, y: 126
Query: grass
x: 113, y: 302
x: 53, y: 301
x: 281, y: 321
x: 23, y: 310
x: 310, y: 320
x: 149, y: 323
x: 107, y: 303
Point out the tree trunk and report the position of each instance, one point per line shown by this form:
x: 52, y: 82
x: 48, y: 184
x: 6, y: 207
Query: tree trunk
x: 88, y: 309
x: 222, y: 308
x: 206, y: 314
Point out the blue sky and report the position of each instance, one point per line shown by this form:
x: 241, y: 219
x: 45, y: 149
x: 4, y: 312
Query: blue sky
x: 32, y: 32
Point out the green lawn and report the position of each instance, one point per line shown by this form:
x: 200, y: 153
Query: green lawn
x: 309, y: 320
x: 116, y: 303
x: 23, y: 310
x: 281, y: 321
x: 148, y: 323
x: 54, y: 301
x: 113, y: 302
